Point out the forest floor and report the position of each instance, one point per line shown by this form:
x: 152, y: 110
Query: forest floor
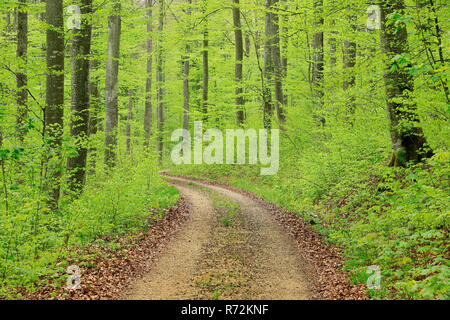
x: 218, y: 242
x: 235, y: 246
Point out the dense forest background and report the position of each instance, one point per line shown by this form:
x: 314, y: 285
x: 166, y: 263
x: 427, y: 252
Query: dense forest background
x: 88, y: 103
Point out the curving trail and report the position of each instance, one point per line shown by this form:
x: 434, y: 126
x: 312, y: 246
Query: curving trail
x: 251, y: 259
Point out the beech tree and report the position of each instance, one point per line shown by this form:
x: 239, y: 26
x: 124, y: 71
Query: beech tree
x: 318, y: 57
x: 21, y: 77
x: 239, y: 46
x: 148, y: 86
x: 205, y: 57
x: 408, y: 140
x: 160, y: 81
x: 111, y: 84
x: 54, y: 97
x: 81, y: 49
x: 268, y: 66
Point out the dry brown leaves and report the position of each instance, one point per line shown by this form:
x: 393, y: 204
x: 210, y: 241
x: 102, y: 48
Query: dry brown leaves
x: 111, y: 271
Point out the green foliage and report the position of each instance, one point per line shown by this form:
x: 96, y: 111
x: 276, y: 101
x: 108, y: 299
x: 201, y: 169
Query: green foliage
x: 397, y: 219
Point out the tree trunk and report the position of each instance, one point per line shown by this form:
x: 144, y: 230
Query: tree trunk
x: 148, y: 87
x: 160, y: 80
x: 349, y: 72
x: 333, y: 48
x: 94, y: 113
x: 278, y: 66
x: 407, y: 136
x: 111, y: 86
x: 205, y: 52
x: 42, y: 15
x: 268, y: 67
x: 54, y: 97
x: 239, y: 63
x: 186, y: 96
x: 81, y: 49
x: 129, y: 118
x: 284, y: 51
x: 21, y: 77
x: 318, y: 62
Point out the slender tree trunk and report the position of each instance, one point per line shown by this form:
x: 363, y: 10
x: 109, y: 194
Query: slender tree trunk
x: 148, y: 87
x: 94, y: 113
x: 278, y: 67
x: 129, y: 118
x: 349, y: 72
x: 205, y: 56
x: 333, y: 49
x: 42, y: 15
x: 268, y: 67
x: 111, y: 86
x: 284, y: 51
x: 240, y: 115
x: 187, y: 57
x: 21, y: 77
x: 318, y: 59
x: 407, y: 136
x: 81, y: 49
x: 7, y: 23
x: 160, y: 81
x: 247, y: 43
x: 54, y: 98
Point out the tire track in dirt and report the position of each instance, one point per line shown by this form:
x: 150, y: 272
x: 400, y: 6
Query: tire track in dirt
x: 271, y: 266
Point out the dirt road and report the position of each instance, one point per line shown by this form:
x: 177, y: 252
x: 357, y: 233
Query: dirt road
x: 231, y: 248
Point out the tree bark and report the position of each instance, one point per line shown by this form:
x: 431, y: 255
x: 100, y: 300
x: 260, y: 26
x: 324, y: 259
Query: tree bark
x: 240, y: 115
x: 318, y: 59
x: 186, y: 95
x: 268, y: 67
x: 94, y: 113
x: 54, y: 97
x: 160, y: 81
x: 21, y: 77
x: 278, y: 66
x: 349, y: 61
x: 111, y: 86
x: 148, y: 86
x: 129, y: 118
x: 205, y: 56
x: 284, y: 51
x: 408, y: 140
x: 81, y: 49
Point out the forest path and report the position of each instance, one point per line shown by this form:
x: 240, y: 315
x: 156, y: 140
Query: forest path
x: 231, y: 248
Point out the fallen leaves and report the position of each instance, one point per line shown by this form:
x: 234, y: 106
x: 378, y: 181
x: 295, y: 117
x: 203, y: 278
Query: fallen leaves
x: 113, y: 268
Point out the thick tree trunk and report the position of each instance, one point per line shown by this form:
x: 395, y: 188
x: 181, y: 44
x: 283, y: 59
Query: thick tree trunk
x: 240, y: 115
x: 407, y: 136
x: 205, y: 91
x: 160, y: 80
x: 268, y: 67
x: 54, y: 97
x: 278, y: 66
x: 81, y: 49
x: 111, y: 86
x: 148, y: 86
x: 318, y: 59
x: 21, y: 77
